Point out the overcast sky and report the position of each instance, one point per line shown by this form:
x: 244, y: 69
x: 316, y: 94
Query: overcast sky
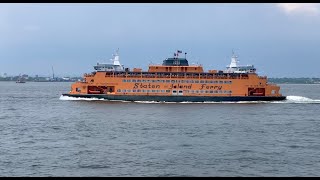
x: 281, y: 40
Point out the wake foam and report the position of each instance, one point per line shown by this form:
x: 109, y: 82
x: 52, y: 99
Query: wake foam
x: 67, y: 98
x: 289, y: 100
x: 301, y: 99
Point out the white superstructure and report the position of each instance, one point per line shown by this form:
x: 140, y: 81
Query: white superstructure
x: 235, y: 68
x: 115, y: 66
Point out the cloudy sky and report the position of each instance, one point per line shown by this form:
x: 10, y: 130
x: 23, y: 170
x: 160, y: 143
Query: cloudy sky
x: 281, y: 40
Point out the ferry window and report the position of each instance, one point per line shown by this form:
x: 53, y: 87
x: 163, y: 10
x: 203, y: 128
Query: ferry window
x: 153, y: 90
x: 215, y: 91
x: 129, y: 80
x: 192, y: 91
x: 148, y: 90
x: 138, y: 80
x: 197, y: 91
x: 134, y: 90
x: 211, y: 82
x: 174, y: 91
x: 167, y: 81
x: 187, y: 91
x: 186, y: 81
x: 201, y: 82
x: 224, y: 91
x: 123, y: 90
x: 221, y: 82
x: 119, y: 90
x: 207, y: 91
x: 148, y: 81
x: 167, y: 90
x: 153, y: 81
x: 230, y: 91
x: 215, y: 82
x: 180, y: 91
x: 133, y: 80
x: 173, y: 81
x: 143, y: 90
x: 143, y: 80
x: 163, y: 91
x: 182, y: 81
x: 201, y: 91
x: 207, y: 81
x: 124, y: 80
x: 211, y: 91
x: 220, y: 92
x: 191, y: 81
x: 138, y: 90
x: 196, y: 81
x: 128, y: 90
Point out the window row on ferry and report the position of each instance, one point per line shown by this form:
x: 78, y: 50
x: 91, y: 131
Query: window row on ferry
x: 176, y: 81
x: 174, y: 91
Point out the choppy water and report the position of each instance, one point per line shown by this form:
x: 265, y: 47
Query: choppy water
x: 44, y: 134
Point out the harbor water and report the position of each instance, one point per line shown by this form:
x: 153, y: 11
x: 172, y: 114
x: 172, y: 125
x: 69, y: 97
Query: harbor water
x: 46, y: 134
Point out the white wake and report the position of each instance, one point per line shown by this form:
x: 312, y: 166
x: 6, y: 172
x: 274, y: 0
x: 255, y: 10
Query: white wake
x: 67, y: 98
x: 300, y: 99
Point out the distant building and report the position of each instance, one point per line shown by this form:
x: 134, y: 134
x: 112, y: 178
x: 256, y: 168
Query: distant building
x: 25, y: 76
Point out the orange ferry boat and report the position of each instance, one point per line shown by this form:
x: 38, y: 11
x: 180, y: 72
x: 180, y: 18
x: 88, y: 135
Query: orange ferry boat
x: 175, y: 81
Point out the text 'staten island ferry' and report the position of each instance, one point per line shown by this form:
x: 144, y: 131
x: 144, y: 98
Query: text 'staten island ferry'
x: 175, y: 81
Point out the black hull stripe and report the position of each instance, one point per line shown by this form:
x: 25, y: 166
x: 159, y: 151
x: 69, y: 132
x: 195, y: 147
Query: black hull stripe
x: 179, y: 98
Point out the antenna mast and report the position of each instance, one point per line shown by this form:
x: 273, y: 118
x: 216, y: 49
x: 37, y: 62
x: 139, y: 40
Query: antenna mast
x: 52, y: 73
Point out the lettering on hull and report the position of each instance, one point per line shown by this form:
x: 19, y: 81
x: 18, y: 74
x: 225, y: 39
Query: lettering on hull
x: 145, y: 86
x: 175, y: 86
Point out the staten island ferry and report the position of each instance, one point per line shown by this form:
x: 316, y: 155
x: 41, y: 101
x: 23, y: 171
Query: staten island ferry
x: 175, y: 80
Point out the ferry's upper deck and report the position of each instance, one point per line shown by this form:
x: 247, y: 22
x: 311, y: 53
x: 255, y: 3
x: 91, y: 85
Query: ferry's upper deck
x: 175, y: 67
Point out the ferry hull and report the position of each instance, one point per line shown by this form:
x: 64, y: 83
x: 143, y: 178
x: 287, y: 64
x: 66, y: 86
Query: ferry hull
x: 178, y: 98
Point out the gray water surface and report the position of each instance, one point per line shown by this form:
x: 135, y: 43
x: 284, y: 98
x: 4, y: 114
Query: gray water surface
x: 43, y: 134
